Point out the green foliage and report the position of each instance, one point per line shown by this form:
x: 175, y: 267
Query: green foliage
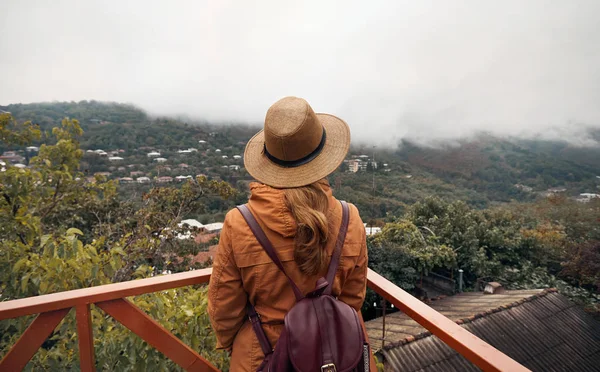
x: 60, y: 232
x: 13, y: 132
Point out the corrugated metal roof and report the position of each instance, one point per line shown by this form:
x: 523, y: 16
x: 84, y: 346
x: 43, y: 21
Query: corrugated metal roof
x: 545, y: 333
x: 399, y: 326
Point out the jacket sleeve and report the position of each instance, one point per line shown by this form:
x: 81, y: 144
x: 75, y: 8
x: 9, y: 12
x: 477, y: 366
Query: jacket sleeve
x: 226, y: 296
x: 355, y: 287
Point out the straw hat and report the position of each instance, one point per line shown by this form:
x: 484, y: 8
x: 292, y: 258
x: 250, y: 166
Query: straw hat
x: 297, y: 147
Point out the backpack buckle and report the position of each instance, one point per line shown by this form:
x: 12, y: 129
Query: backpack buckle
x: 328, y: 368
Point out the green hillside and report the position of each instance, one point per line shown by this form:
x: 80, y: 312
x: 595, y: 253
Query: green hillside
x: 481, y: 171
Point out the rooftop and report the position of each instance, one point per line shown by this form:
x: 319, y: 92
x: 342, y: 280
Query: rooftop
x: 542, y: 330
x: 399, y: 326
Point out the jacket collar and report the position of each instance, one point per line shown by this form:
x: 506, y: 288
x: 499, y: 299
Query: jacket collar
x: 268, y: 206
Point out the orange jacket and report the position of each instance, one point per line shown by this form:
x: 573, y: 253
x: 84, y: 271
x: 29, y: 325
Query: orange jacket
x: 243, y: 271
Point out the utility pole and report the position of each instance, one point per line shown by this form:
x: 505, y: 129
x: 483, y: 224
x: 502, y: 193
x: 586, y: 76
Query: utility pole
x: 373, y: 166
x: 373, y: 192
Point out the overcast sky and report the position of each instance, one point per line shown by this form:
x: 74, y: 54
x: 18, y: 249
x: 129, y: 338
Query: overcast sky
x: 391, y: 69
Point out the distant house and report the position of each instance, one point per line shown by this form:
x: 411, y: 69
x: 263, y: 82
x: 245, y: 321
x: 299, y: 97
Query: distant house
x: 136, y: 173
x: 183, y: 165
x: 224, y: 156
x: 237, y: 157
x: 32, y: 149
x: 105, y: 174
x: 115, y: 158
x: 143, y: 180
x: 125, y: 180
x: 372, y: 230
x: 153, y: 154
x: 182, y: 178
x: 201, y: 141
x: 164, y: 179
x: 12, y: 156
x: 234, y: 167
x: 586, y: 197
x: 556, y: 190
x: 214, y: 227
x: 160, y: 160
x: 184, y: 151
x: 19, y: 165
x: 353, y: 165
x: 121, y: 169
x: 2, y: 166
x: 217, y: 150
x: 191, y: 223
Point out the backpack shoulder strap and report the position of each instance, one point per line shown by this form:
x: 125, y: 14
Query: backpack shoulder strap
x: 267, y: 246
x: 335, y: 257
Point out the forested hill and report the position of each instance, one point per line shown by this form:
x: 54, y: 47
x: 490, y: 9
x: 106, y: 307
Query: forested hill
x: 111, y: 125
x: 481, y: 170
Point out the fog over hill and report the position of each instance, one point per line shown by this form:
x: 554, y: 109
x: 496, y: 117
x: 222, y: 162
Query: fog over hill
x: 393, y: 70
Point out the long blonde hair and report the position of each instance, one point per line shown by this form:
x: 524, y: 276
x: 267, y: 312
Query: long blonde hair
x: 309, y: 205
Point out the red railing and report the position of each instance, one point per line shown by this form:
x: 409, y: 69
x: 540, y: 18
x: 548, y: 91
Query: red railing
x: 111, y: 298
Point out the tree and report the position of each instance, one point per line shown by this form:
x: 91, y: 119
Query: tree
x: 60, y: 232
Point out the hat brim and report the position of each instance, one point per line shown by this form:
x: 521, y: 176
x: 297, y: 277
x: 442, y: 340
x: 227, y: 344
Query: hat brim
x: 333, y: 154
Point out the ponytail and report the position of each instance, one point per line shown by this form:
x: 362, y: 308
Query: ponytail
x: 309, y: 205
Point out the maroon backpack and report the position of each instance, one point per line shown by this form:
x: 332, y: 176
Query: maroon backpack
x: 321, y: 333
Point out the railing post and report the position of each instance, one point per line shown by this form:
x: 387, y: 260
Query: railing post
x: 87, y: 359
x: 460, y: 280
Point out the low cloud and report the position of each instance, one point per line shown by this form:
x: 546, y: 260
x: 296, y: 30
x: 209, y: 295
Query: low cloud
x: 426, y: 71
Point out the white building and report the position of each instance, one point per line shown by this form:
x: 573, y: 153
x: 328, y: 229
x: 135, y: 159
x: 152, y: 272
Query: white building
x: 191, y: 223
x: 32, y: 149
x: 586, y: 197
x: 115, y: 158
x: 224, y: 156
x: 372, y: 230
x: 182, y: 178
x: 214, y: 227
x: 234, y: 167
x: 160, y: 160
x: 218, y: 150
x: 153, y: 154
x: 188, y: 151
x: 143, y: 180
x: 19, y: 165
x: 202, y: 141
x: 237, y: 157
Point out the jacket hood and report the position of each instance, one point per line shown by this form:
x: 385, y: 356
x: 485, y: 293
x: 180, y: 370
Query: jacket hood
x: 268, y: 205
